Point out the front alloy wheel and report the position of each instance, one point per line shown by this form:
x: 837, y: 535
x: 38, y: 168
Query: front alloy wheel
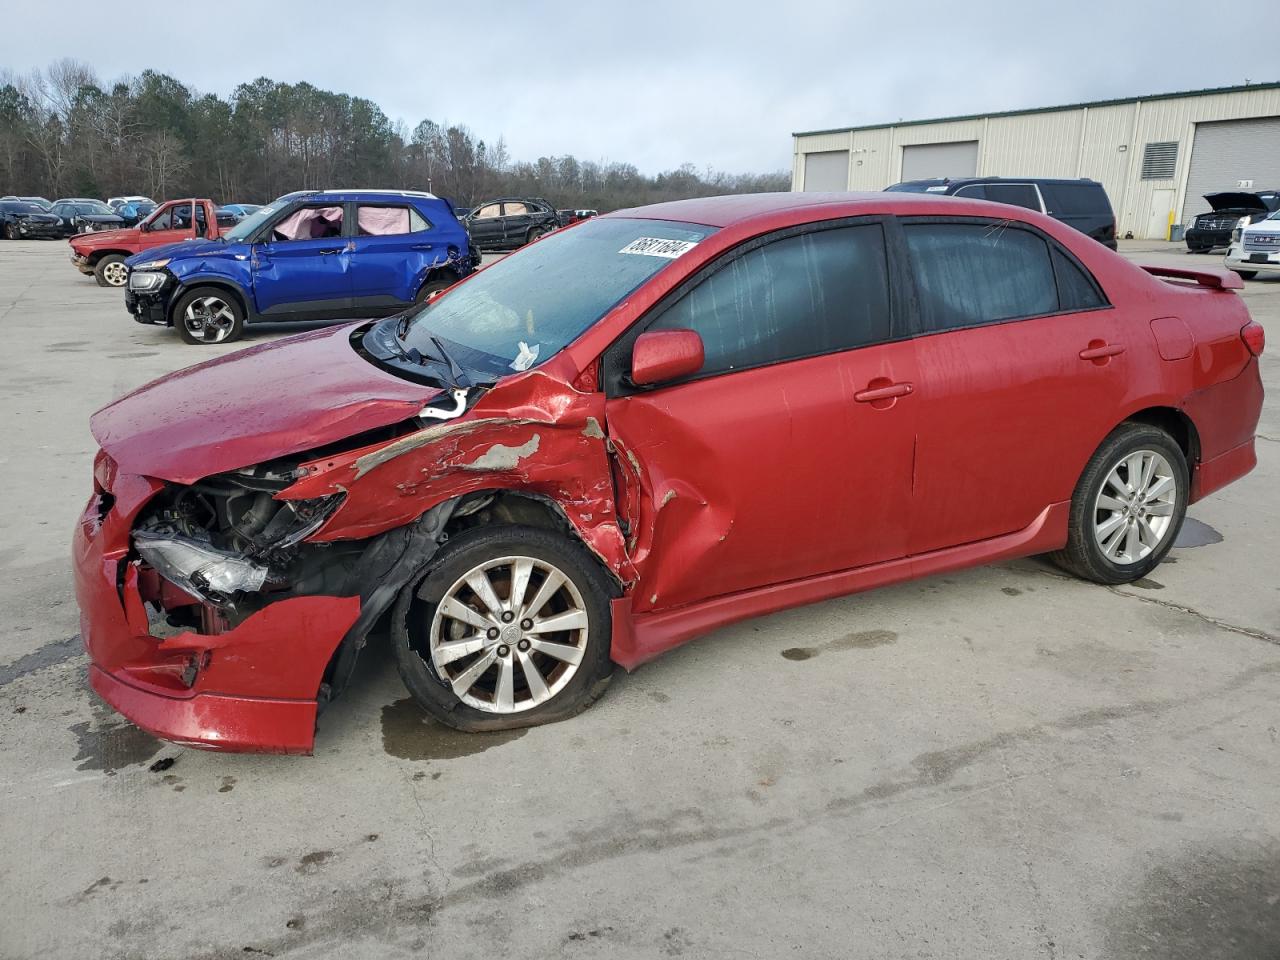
x: 509, y: 634
x: 509, y: 628
x: 208, y: 315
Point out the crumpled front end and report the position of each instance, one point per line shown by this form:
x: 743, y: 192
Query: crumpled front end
x: 217, y: 662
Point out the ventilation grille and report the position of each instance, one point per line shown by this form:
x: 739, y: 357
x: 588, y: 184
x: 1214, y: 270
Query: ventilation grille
x: 1159, y: 160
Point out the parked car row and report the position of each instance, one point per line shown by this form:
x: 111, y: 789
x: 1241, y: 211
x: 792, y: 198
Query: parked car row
x: 45, y: 219
x: 554, y: 468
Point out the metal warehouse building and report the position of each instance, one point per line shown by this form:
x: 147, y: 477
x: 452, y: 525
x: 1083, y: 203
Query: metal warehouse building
x: 1156, y: 156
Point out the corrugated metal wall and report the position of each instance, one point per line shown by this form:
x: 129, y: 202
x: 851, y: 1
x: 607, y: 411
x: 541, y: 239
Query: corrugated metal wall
x: 1104, y: 143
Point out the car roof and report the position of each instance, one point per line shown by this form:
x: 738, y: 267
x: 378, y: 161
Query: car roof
x: 726, y: 210
x: 355, y: 193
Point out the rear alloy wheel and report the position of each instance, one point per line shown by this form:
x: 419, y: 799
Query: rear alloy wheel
x: 208, y: 315
x: 510, y: 629
x: 1128, y: 506
x: 10, y: 232
x: 534, y: 234
x: 110, y: 271
x: 1246, y: 274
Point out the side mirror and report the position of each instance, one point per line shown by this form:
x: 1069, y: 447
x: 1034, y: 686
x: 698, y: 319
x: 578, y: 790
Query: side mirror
x: 662, y: 355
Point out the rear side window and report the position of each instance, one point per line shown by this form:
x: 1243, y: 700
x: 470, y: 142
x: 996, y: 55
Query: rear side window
x: 798, y: 297
x: 1075, y: 199
x: 1076, y: 289
x: 971, y: 274
x: 514, y: 209
x: 382, y: 221
x: 1018, y: 194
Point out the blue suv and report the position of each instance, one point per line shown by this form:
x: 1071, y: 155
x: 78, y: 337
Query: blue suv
x: 311, y: 255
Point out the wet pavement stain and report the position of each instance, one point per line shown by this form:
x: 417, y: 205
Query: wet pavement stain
x: 228, y: 784
x: 1207, y: 902
x: 408, y: 733
x: 863, y: 640
x: 112, y: 746
x: 46, y: 656
x: 1195, y: 533
x: 312, y: 862
x: 1011, y: 591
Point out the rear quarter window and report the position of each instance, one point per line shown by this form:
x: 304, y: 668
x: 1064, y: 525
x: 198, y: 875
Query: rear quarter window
x: 1076, y: 199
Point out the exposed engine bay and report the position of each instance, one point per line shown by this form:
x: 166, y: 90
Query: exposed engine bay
x: 228, y: 541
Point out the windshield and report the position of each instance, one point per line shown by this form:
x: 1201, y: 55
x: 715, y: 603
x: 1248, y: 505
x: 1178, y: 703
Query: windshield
x: 249, y: 225
x: 524, y: 309
x: 11, y: 207
x: 94, y: 209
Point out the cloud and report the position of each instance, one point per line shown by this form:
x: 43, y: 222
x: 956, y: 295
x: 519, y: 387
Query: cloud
x: 662, y: 83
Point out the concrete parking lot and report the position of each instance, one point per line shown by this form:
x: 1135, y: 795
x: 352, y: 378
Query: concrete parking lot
x: 1000, y: 763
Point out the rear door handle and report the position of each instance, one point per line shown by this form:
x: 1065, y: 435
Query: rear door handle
x: 872, y: 394
x: 1099, y: 351
x: 334, y: 250
x: 422, y: 246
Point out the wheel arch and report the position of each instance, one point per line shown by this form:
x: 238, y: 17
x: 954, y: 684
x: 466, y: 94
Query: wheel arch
x: 1174, y: 422
x: 442, y: 272
x: 94, y: 257
x: 227, y: 286
x: 505, y: 505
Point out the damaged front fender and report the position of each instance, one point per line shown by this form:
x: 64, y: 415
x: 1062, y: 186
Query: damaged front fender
x: 531, y: 434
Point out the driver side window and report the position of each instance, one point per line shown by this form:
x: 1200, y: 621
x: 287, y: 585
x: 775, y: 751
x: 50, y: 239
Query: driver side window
x: 309, y: 223
x: 162, y: 222
x: 801, y: 296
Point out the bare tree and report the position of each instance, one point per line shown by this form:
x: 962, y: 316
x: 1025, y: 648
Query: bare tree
x: 165, y: 163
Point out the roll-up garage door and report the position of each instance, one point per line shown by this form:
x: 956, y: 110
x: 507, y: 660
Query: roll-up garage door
x: 929, y: 161
x: 1227, y: 151
x: 826, y: 171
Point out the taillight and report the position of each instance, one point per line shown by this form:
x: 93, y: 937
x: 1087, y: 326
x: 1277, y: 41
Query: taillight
x: 1254, y: 337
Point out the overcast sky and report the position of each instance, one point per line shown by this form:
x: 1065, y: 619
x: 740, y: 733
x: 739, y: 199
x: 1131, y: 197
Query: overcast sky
x: 661, y: 83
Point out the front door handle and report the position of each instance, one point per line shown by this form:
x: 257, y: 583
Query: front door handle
x: 422, y: 246
x: 1100, y: 350
x: 888, y: 391
x: 334, y: 250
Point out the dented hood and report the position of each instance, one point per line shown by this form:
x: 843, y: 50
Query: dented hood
x: 254, y: 405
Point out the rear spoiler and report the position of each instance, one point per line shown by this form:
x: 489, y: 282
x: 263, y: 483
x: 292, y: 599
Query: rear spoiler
x: 1216, y: 279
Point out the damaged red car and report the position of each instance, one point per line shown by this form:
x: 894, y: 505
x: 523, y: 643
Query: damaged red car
x: 635, y: 431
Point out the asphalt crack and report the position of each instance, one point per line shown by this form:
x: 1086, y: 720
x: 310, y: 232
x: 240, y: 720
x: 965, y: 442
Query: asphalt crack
x: 1203, y: 617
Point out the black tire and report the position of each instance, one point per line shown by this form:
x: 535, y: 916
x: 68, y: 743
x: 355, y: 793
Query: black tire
x: 534, y: 234
x: 1083, y: 555
x: 415, y: 608
x: 1245, y: 274
x: 110, y: 278
x: 233, y: 332
x: 10, y: 232
x: 432, y: 286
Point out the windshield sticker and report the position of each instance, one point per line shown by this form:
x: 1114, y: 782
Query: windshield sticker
x: 657, y: 247
x: 938, y: 189
x: 525, y: 358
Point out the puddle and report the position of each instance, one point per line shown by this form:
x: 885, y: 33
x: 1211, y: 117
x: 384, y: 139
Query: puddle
x: 112, y: 746
x: 1195, y: 533
x: 408, y: 733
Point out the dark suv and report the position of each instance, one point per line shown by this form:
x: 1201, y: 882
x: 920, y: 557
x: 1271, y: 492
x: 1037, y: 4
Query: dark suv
x: 510, y: 222
x: 1082, y: 204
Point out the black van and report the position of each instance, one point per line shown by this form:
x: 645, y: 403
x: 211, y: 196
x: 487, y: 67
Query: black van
x: 1082, y: 204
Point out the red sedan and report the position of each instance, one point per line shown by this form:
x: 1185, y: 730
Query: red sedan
x: 632, y: 432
